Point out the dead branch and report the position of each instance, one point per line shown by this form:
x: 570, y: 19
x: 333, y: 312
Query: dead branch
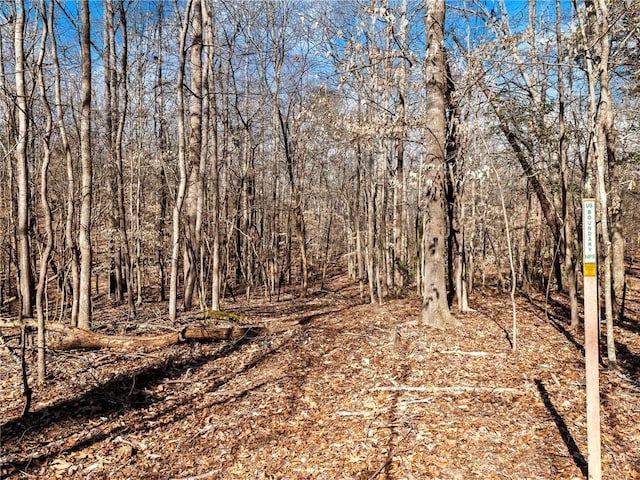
x: 10, y: 300
x: 77, y: 338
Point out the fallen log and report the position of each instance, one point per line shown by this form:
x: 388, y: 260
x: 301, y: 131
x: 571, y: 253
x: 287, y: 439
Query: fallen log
x: 77, y: 338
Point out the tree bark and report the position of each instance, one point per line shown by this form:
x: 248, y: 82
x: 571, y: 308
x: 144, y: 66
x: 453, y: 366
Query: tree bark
x: 84, y: 237
x: 568, y: 228
x: 435, y: 308
x: 70, y: 245
x: 47, y: 21
x: 195, y: 187
x: 603, y: 148
x: 214, y: 190
x: 161, y: 145
x: 453, y: 188
x: 182, y: 167
x: 23, y: 241
x: 117, y: 99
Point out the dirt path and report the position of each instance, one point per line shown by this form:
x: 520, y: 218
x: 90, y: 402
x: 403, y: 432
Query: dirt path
x: 352, y: 393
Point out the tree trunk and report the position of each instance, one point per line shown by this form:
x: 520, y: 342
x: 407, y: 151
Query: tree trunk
x: 182, y: 167
x: 604, y: 144
x: 568, y: 219
x: 370, y: 248
x: 70, y: 245
x: 435, y: 309
x: 400, y: 260
x: 453, y: 188
x: 84, y: 237
x: 47, y: 19
x: 23, y: 241
x: 214, y: 190
x: 161, y: 147
x: 118, y: 141
x: 618, y: 264
x: 195, y: 188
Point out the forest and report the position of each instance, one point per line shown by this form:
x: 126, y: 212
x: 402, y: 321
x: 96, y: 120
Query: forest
x: 331, y: 222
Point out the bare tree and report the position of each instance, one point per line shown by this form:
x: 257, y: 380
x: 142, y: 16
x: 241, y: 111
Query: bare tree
x: 84, y: 236
x: 279, y: 25
x: 22, y: 169
x: 603, y: 147
x: 435, y: 309
x: 47, y: 16
x: 211, y: 104
x: 116, y: 99
x: 568, y: 219
x: 182, y: 166
x: 70, y: 244
x: 195, y: 160
x: 161, y: 146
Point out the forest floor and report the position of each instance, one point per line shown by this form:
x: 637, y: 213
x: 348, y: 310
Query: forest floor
x: 352, y: 392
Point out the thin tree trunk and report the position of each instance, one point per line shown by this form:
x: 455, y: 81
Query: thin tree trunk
x: 84, y: 237
x: 454, y: 181
x: 47, y: 21
x: 214, y: 190
x: 400, y: 260
x: 358, y: 210
x: 182, y: 167
x: 25, y: 276
x: 370, y: 248
x: 116, y: 99
x: 570, y: 261
x: 122, y: 223
x: 161, y: 143
x: 604, y: 139
x: 116, y: 286
x: 69, y: 238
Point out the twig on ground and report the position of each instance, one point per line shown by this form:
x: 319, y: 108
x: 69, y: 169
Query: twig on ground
x: 452, y: 389
x: 202, y: 476
x: 390, y: 456
x: 461, y: 352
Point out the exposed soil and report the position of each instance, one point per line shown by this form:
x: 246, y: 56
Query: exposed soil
x: 353, y: 392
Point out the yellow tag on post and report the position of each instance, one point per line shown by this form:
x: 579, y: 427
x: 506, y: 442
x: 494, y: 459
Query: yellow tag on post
x: 590, y: 270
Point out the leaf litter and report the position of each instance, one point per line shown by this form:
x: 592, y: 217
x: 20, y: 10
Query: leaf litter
x: 353, y: 392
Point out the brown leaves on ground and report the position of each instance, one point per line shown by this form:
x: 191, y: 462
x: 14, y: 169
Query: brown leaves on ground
x: 353, y: 392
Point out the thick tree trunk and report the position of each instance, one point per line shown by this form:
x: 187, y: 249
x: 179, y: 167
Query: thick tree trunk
x: 435, y: 309
x: 195, y: 188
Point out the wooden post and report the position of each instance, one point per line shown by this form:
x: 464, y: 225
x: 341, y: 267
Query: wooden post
x: 591, y: 336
